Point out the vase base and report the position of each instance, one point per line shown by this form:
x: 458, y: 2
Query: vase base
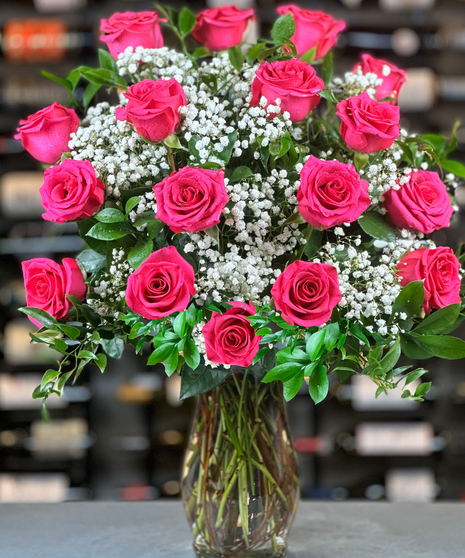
x: 279, y: 550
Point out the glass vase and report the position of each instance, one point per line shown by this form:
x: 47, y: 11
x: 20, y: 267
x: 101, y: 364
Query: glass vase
x: 239, y: 485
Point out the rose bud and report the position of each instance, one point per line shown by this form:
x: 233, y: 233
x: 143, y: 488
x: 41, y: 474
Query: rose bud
x: 45, y: 134
x: 306, y: 292
x: 313, y: 29
x: 47, y: 284
x: 368, y: 125
x: 229, y: 337
x: 392, y: 77
x: 221, y: 28
x: 439, y: 268
x: 71, y: 191
x: 293, y: 81
x: 163, y: 284
x: 131, y: 30
x: 153, y: 107
x: 191, y: 199
x: 422, y: 204
x: 331, y: 193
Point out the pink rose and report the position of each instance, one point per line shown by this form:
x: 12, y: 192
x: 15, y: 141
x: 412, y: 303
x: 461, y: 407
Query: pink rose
x: 45, y: 134
x: 229, y: 337
x: 368, y: 125
x: 71, y: 191
x: 392, y: 82
x: 131, y: 30
x: 153, y: 107
x: 313, y: 29
x: 221, y: 28
x: 293, y: 81
x: 422, y: 204
x: 306, y: 292
x: 163, y: 284
x: 191, y: 199
x: 47, y: 284
x: 440, y: 270
x: 331, y: 193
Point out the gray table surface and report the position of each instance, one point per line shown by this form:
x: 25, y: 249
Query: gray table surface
x: 159, y: 530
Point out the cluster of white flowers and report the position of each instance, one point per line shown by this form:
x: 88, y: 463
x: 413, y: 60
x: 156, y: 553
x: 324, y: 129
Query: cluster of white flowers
x: 121, y: 157
x: 355, y: 83
x: 111, y: 287
x: 255, y: 234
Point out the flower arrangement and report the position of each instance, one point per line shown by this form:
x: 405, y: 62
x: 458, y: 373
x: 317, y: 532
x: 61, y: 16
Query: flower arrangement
x: 242, y: 209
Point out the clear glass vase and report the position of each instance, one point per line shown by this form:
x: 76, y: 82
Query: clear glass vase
x: 239, y: 485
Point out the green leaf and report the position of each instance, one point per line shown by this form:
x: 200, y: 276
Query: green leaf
x: 40, y: 316
x: 139, y: 254
x: 412, y: 348
x: 376, y: 226
x: 103, y: 77
x: 360, y: 160
x: 289, y: 354
x: 261, y: 353
x: 442, y: 346
x: 61, y: 81
x: 171, y: 361
x: 42, y: 391
x: 70, y: 331
x: 236, y: 57
x: 318, y: 384
x: 161, y: 353
x: 315, y: 343
x: 201, y: 380
x: 283, y: 29
x: 89, y: 92
x: 225, y: 155
x: 332, y: 336
x: 110, y: 231
x: 253, y: 52
x: 239, y: 174
x: 48, y: 376
x: 107, y: 61
x: 292, y: 386
x: 186, y: 21
x: 440, y: 320
x: 113, y: 347
x: 191, y: 315
x: 454, y: 167
x: 101, y: 361
x: 191, y: 354
x: 87, y: 354
x: 414, y: 375
x: 132, y: 203
x: 201, y: 52
x: 328, y: 95
x: 110, y: 215
x: 283, y: 372
x: 309, y: 55
x: 422, y: 389
x: 172, y: 141
x: 313, y: 243
x: 392, y: 356
x: 63, y: 379
x: 179, y: 324
x: 91, y: 260
x: 436, y: 141
x: 327, y: 68
x: 410, y: 299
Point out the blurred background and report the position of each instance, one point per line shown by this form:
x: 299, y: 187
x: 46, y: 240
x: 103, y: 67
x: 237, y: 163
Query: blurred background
x: 121, y: 435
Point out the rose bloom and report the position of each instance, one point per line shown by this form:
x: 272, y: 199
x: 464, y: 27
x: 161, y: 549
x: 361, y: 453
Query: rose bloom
x: 313, y: 29
x: 153, y: 107
x: 422, y: 204
x: 331, y: 193
x: 229, y: 337
x: 71, y: 191
x: 191, y: 199
x: 47, y: 284
x: 306, y: 292
x: 221, y: 28
x: 368, y: 125
x: 293, y: 81
x: 163, y: 284
x: 131, y: 30
x: 439, y: 268
x: 392, y: 82
x: 45, y: 134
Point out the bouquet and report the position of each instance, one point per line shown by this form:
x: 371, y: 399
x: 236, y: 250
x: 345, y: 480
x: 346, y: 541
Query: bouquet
x: 242, y: 209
